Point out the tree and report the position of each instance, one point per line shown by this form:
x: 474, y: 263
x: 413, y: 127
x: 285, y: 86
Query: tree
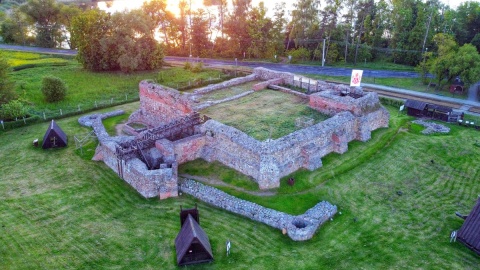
x: 163, y: 19
x: 15, y: 27
x: 87, y: 30
x: 122, y: 41
x: 200, y: 41
x: 67, y: 13
x: 260, y: 30
x: 45, y: 15
x: 305, y: 22
x: 453, y: 61
x: 467, y: 22
x: 236, y: 27
x: 53, y: 89
x: 7, y: 92
x: 278, y: 31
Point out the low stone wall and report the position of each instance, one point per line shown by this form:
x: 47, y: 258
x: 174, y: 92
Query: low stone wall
x: 267, y: 74
x: 298, y: 228
x: 288, y: 91
x: 207, y: 104
x: 265, y: 84
x: 225, y: 84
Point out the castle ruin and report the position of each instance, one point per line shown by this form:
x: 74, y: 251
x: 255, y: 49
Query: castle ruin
x: 175, y: 133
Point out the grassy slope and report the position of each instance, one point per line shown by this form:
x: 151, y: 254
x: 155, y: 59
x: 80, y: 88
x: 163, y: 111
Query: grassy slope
x: 60, y: 211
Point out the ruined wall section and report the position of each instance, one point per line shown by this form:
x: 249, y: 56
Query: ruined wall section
x: 268, y: 161
x: 231, y: 147
x: 267, y: 74
x: 332, y: 102
x: 225, y: 84
x: 162, y: 182
x: 160, y: 104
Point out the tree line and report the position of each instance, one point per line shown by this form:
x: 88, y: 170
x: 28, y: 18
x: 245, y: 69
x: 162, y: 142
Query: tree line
x: 350, y: 31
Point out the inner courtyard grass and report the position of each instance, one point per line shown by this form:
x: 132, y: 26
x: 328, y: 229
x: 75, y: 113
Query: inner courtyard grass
x: 61, y: 211
x: 264, y: 114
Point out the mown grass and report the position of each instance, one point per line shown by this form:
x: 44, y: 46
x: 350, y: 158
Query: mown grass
x: 68, y: 212
x: 264, y: 114
x: 16, y: 59
x: 60, y: 211
x: 179, y: 75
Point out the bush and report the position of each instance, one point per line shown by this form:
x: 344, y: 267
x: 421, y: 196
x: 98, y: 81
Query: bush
x: 54, y: 89
x: 198, y: 67
x: 12, y: 110
x: 300, y: 54
x: 187, y: 66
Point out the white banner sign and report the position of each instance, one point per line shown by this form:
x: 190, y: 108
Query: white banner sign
x: 356, y: 77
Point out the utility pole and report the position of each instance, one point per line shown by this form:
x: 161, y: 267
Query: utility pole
x: 323, y: 53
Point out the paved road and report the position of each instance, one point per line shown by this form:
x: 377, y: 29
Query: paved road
x: 299, y: 69
x: 303, y: 69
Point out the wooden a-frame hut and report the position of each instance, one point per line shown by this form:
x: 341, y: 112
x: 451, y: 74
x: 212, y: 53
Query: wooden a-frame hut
x: 469, y: 233
x: 54, y: 137
x: 192, y: 243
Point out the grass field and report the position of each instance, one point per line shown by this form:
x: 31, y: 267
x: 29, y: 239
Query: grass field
x: 264, y: 114
x: 61, y: 211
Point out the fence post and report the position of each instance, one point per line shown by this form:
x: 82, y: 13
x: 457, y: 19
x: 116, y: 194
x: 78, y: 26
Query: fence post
x: 1, y: 121
x: 126, y: 97
x: 24, y: 121
x: 78, y: 107
x: 44, y: 118
x: 61, y: 113
x: 111, y: 100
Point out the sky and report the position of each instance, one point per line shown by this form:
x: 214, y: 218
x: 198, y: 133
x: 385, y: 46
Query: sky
x: 173, y: 4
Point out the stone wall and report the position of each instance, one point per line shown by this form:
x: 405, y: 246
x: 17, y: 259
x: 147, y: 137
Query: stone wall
x: 268, y: 161
x: 332, y: 102
x: 161, y: 182
x: 298, y: 228
x: 353, y: 118
x: 225, y: 84
x: 160, y: 104
x: 264, y: 74
x: 265, y: 84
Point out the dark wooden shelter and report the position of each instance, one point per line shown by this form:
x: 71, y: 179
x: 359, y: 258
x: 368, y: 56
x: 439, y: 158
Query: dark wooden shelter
x: 423, y: 109
x: 438, y: 112
x: 54, y: 137
x: 415, y: 107
x: 192, y: 243
x: 469, y: 233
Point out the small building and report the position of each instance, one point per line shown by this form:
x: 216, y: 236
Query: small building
x: 415, y: 107
x: 192, y: 243
x: 469, y: 233
x: 54, y: 137
x: 438, y: 112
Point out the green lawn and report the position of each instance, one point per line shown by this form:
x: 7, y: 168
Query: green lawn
x: 61, y: 211
x: 264, y: 114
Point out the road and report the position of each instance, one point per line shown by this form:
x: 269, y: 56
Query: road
x: 299, y: 69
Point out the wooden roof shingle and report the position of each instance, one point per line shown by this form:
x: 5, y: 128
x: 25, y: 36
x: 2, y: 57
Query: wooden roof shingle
x: 469, y: 233
x: 54, y: 131
x: 192, y: 233
x: 415, y: 104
